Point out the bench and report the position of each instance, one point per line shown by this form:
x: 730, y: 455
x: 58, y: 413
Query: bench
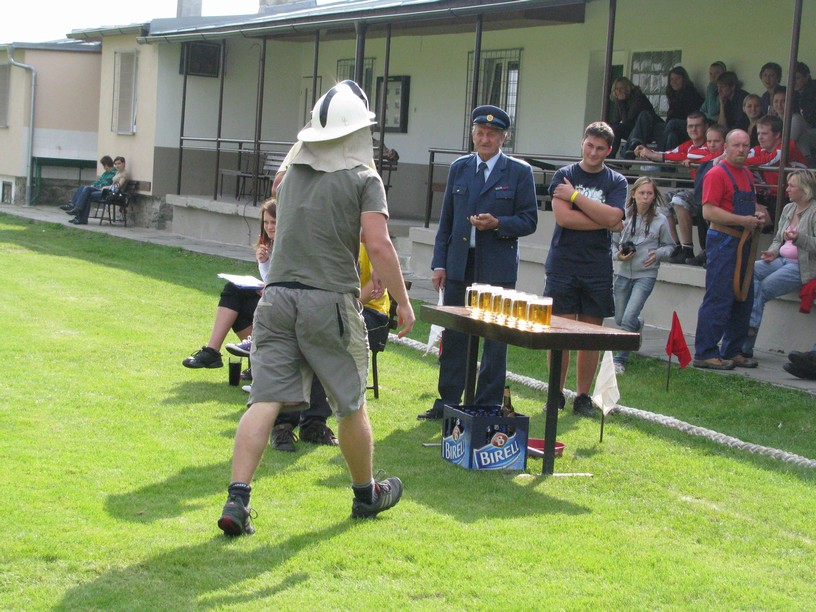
x: 117, y: 201
x: 271, y: 163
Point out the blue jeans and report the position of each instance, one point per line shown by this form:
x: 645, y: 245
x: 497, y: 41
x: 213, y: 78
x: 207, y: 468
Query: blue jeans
x: 84, y: 199
x: 648, y: 127
x: 630, y: 296
x: 772, y: 279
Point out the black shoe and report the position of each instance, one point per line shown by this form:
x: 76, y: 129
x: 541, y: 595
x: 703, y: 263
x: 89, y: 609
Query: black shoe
x: 435, y: 413
x: 680, y: 257
x: 805, y: 373
x: 67, y: 206
x: 246, y: 374
x: 317, y: 432
x: 205, y: 358
x: 236, y: 519
x: 77, y: 221
x: 386, y: 495
x: 698, y: 260
x: 283, y: 438
x: 803, y: 360
x: 582, y: 405
x: 70, y: 211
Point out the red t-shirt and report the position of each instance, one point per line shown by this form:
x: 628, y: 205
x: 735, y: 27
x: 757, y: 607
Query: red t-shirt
x: 718, y: 188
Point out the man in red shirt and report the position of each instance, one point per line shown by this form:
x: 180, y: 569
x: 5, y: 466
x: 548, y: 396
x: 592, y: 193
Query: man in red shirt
x: 729, y: 204
x: 769, y: 153
x: 682, y: 206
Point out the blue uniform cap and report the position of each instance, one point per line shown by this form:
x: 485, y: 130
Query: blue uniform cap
x: 492, y: 116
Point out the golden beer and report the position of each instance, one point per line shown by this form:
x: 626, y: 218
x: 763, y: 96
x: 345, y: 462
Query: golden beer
x: 540, y: 313
x: 519, y: 317
x: 507, y: 307
x: 472, y: 299
x: 485, y: 297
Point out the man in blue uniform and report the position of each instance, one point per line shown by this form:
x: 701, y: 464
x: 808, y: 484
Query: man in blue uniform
x: 489, y: 204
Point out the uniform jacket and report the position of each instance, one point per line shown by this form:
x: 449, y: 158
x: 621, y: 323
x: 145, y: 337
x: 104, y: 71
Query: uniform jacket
x: 509, y: 195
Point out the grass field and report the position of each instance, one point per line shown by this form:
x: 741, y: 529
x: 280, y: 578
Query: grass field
x: 115, y: 461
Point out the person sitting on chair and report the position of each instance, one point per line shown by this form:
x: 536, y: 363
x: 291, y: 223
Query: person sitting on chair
x: 83, y: 206
x: 103, y: 180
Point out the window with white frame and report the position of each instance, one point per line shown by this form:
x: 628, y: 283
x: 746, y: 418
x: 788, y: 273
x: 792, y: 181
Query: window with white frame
x: 499, y: 72
x: 123, y: 120
x: 346, y: 70
x: 5, y: 92
x: 650, y: 71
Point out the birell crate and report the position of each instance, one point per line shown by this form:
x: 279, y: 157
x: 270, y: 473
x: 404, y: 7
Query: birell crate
x: 480, y: 438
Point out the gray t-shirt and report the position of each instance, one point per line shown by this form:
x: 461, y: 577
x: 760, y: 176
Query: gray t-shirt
x: 317, y: 239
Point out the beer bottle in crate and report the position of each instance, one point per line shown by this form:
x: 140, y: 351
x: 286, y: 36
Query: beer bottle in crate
x: 507, y: 409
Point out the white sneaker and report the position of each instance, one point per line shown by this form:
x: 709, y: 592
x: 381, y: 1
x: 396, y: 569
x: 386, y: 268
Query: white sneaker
x: 246, y: 388
x: 619, y: 368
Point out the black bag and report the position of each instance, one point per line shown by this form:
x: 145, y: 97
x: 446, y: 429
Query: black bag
x: 377, y: 326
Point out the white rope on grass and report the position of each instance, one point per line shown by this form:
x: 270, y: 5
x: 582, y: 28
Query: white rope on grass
x: 652, y: 417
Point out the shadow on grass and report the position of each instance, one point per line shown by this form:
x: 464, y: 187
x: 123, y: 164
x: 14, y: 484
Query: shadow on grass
x: 182, y: 578
x: 465, y: 495
x: 160, y: 262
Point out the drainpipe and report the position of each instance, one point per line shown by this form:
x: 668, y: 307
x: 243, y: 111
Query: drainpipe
x: 30, y: 148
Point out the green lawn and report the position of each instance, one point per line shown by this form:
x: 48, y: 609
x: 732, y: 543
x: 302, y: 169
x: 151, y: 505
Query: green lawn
x: 115, y: 461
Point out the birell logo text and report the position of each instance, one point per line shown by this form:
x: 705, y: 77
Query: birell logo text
x: 501, y: 453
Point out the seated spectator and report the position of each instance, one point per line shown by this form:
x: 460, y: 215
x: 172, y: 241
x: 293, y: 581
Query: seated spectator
x: 644, y: 242
x: 82, y: 209
x: 790, y: 261
x: 752, y: 109
x: 771, y: 75
x: 769, y: 153
x: 629, y: 103
x: 236, y: 308
x: 805, y: 88
x: 681, y: 202
x: 684, y: 99
x: 103, y: 180
x: 711, y: 105
x: 798, y: 127
x: 731, y: 96
x: 802, y: 364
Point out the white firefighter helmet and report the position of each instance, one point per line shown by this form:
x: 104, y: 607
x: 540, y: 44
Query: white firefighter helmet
x: 338, y: 113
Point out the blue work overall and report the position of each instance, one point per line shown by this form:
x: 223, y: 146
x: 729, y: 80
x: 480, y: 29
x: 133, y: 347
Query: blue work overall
x: 721, y: 315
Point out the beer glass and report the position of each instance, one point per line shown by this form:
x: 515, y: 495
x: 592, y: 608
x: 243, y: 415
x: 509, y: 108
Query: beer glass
x: 519, y: 308
x: 485, y: 301
x: 507, y: 306
x: 472, y: 299
x: 539, y: 313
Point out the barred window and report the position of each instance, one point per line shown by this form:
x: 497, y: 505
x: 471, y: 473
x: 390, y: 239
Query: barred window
x: 649, y: 70
x: 346, y: 70
x: 499, y: 73
x: 123, y: 119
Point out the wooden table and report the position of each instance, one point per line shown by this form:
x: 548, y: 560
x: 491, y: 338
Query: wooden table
x: 563, y: 335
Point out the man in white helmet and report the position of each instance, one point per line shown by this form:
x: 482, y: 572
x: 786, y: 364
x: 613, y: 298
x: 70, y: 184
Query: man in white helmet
x: 308, y: 321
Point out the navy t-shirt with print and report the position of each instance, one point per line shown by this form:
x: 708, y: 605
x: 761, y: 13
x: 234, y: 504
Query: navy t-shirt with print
x: 586, y: 252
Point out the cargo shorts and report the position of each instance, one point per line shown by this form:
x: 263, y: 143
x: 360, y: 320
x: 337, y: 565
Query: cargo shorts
x: 301, y: 333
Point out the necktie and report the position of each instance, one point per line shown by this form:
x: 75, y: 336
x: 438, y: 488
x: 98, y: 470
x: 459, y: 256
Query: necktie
x: 480, y: 177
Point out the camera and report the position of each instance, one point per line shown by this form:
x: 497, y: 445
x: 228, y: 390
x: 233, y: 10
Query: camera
x: 627, y: 248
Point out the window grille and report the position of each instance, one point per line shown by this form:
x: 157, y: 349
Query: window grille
x: 345, y: 70
x: 650, y: 71
x: 499, y: 79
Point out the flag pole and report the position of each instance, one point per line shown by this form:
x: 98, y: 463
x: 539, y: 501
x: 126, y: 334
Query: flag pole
x: 668, y: 373
x: 603, y: 418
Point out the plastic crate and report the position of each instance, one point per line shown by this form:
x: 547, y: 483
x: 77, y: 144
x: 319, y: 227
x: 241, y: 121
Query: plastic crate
x: 480, y: 438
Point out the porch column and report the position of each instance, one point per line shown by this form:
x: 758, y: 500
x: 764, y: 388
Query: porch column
x: 610, y: 43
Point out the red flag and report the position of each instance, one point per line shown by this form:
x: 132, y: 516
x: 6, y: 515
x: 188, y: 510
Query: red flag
x: 677, y: 343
